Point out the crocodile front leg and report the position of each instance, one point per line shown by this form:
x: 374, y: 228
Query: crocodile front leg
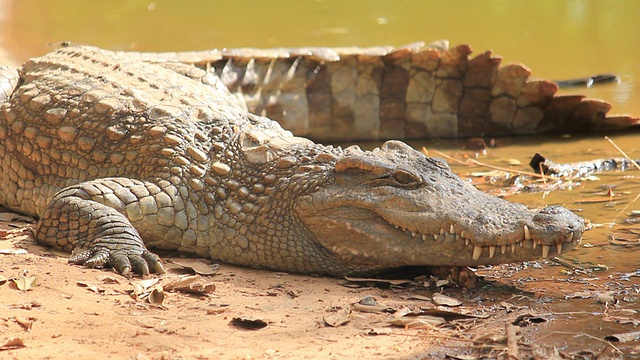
x: 91, y: 216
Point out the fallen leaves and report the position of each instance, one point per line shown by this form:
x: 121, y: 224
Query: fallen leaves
x: 192, y: 266
x: 25, y: 323
x: 624, y: 337
x: 24, y: 282
x: 194, y: 284
x: 440, y: 299
x: 12, y: 344
x: 13, y: 251
x: 337, y: 318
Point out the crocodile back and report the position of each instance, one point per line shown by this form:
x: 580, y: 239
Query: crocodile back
x: 84, y: 113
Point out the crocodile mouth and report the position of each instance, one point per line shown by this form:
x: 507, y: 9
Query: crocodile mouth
x: 476, y: 251
x: 379, y: 237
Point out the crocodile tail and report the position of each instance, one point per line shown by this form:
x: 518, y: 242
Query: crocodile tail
x: 410, y: 92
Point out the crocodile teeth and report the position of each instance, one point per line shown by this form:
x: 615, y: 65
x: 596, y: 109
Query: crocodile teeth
x: 569, y: 237
x: 424, y: 237
x: 442, y: 232
x: 466, y: 242
x: 452, y: 229
x: 492, y: 251
x: 559, y: 248
x: 513, y: 248
x: 413, y: 234
x: 534, y: 244
x: 545, y: 251
x: 503, y: 248
x: 527, y: 233
x: 477, y: 251
x: 461, y: 234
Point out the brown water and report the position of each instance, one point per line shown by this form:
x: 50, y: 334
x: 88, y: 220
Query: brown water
x: 557, y: 39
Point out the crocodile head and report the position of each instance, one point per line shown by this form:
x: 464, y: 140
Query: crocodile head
x: 394, y: 207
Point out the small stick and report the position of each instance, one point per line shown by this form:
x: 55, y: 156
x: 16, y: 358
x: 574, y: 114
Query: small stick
x: 544, y: 179
x: 512, y: 341
x: 623, y: 153
x: 440, y: 153
x: 625, y: 208
x: 476, y: 162
x: 560, y: 261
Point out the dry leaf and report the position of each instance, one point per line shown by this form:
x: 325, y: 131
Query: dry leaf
x: 90, y: 287
x: 11, y: 344
x: 403, y: 312
x: 25, y: 283
x: 440, y: 299
x: 148, y: 283
x: 197, y: 266
x: 371, y: 308
x: 137, y: 291
x: 370, y: 304
x: 13, y: 251
x: 418, y: 321
x: 606, y: 298
x: 624, y: 337
x: 194, y: 284
x: 25, y: 323
x: 337, y: 319
x: 156, y: 296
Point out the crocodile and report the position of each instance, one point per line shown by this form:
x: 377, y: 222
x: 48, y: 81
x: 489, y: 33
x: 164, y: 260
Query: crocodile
x: 116, y: 155
x: 415, y: 91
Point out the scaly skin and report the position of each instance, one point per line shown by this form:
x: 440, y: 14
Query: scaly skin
x: 416, y: 91
x: 112, y: 153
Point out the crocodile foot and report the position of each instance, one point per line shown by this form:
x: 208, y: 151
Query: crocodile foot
x: 123, y: 261
x: 99, y: 235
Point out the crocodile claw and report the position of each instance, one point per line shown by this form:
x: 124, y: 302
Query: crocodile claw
x: 121, y: 260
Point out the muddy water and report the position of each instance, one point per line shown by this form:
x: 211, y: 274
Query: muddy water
x: 558, y: 39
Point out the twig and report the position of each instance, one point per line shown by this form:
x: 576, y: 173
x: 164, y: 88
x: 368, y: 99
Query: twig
x: 625, y: 208
x: 440, y: 153
x: 512, y: 341
x: 559, y: 261
x: 544, y: 179
x: 476, y: 162
x: 623, y: 153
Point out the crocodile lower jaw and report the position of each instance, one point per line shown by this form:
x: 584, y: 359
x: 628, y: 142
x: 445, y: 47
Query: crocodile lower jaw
x: 477, y: 251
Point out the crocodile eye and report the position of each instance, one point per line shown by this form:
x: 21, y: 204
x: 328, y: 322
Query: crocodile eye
x: 404, y: 177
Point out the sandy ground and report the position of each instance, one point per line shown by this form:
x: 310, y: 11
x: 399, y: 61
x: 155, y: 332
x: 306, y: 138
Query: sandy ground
x: 52, y: 310
x: 74, y: 312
